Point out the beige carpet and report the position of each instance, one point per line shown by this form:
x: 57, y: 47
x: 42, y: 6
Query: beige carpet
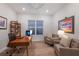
x: 38, y: 48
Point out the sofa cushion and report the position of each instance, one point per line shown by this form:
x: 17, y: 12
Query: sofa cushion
x: 65, y: 42
x: 75, y: 43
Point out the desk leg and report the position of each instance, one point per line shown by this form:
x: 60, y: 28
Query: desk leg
x: 27, y: 50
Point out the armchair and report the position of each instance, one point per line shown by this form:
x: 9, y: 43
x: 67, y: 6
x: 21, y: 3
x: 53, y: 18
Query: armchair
x: 51, y: 40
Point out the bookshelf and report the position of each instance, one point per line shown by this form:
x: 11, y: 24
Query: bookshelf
x: 16, y: 28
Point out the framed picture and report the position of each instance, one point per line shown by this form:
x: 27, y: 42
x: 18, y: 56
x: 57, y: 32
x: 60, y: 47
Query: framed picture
x: 67, y: 25
x: 3, y: 22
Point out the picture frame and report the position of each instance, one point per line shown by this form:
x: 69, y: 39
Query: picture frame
x: 67, y: 25
x: 3, y: 22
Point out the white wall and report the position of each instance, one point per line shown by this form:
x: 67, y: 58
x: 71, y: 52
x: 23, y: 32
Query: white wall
x: 69, y: 10
x: 5, y: 11
x: 24, y: 24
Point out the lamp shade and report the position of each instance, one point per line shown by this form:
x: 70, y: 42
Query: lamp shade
x: 30, y: 32
x: 60, y: 32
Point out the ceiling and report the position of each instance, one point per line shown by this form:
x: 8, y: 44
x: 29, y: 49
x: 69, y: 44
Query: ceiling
x: 36, y: 8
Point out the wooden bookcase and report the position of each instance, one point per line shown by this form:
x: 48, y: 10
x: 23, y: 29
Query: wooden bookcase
x: 16, y: 28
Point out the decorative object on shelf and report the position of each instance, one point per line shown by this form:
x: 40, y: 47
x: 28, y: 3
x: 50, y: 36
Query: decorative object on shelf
x: 3, y: 22
x: 16, y: 28
x: 67, y: 25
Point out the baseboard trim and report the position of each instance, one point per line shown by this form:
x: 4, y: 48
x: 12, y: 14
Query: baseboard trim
x: 37, y: 40
x: 1, y: 50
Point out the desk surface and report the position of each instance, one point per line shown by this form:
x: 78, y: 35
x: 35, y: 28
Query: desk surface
x: 25, y: 39
x: 21, y: 42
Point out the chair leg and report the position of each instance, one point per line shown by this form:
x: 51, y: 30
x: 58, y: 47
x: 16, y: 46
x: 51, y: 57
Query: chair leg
x: 12, y: 52
x: 7, y: 52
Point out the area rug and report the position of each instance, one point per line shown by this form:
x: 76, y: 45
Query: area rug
x: 38, y: 48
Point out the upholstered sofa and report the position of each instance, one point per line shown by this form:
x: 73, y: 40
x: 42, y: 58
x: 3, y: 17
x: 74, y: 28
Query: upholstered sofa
x: 51, y: 40
x: 67, y: 48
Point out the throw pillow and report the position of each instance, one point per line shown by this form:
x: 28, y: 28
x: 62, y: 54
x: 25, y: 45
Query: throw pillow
x: 65, y: 42
x: 75, y: 43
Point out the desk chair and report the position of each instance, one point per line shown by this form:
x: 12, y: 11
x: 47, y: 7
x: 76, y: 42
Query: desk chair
x: 11, y: 38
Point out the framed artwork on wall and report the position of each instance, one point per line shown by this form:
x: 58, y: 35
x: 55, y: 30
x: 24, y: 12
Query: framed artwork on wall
x: 67, y: 25
x: 3, y: 22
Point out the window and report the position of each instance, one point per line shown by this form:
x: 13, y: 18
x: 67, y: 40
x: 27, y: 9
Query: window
x: 36, y: 26
x: 39, y: 27
x: 31, y: 26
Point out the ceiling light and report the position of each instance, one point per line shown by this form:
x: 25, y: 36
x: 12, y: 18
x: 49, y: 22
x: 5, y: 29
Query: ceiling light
x: 23, y: 9
x: 47, y: 11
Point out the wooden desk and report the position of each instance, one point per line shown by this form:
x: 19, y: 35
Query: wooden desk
x: 21, y: 42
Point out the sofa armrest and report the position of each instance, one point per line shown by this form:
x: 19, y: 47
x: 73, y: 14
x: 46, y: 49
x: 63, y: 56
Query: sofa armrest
x: 69, y: 51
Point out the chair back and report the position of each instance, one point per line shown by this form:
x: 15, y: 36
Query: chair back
x: 11, y: 36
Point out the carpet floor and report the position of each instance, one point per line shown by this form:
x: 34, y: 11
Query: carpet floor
x: 38, y: 48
